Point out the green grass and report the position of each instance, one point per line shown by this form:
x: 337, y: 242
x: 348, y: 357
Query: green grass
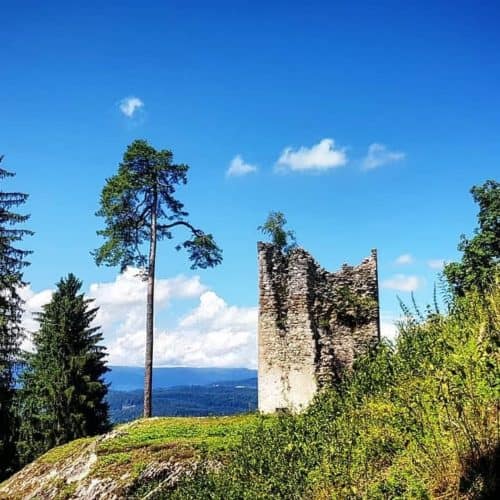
x: 149, y: 441
x: 142, y: 444
x: 415, y: 420
x: 214, y: 433
x: 65, y: 451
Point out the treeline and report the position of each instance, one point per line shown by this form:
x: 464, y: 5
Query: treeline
x: 59, y: 393
x: 185, y: 401
x: 417, y: 419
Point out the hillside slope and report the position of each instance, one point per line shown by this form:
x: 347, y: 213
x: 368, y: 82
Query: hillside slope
x: 417, y: 420
x: 130, y: 461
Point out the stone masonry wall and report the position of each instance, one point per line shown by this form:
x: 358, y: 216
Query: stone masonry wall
x: 312, y: 324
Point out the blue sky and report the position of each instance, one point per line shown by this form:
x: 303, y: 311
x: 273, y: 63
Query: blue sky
x: 221, y: 79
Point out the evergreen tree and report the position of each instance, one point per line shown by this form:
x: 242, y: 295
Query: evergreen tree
x: 139, y: 207
x: 63, y: 391
x: 12, y: 262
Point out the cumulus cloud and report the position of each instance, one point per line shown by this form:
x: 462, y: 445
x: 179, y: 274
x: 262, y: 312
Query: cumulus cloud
x: 213, y: 333
x: 238, y: 168
x: 405, y: 259
x: 388, y: 330
x: 403, y: 283
x: 436, y: 264
x: 130, y: 105
x: 388, y: 327
x: 123, y: 300
x: 379, y: 154
x: 33, y: 302
x: 319, y: 157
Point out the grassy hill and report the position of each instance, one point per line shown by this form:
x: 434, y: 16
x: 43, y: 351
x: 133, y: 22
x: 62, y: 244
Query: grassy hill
x: 415, y: 420
x: 131, y: 460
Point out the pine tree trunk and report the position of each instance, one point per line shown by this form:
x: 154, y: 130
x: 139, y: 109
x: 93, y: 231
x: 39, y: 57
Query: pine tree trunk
x: 148, y: 365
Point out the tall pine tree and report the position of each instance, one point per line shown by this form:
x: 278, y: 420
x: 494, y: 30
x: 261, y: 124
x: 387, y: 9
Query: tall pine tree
x: 140, y: 208
x: 63, y: 391
x: 12, y: 262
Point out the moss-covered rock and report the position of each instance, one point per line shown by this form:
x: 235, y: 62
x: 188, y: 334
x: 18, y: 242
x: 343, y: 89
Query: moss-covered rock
x: 129, y: 462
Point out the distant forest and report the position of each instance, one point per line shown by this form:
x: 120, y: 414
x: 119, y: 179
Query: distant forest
x: 225, y: 398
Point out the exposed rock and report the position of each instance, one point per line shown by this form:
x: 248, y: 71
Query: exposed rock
x: 72, y: 475
x: 135, y: 460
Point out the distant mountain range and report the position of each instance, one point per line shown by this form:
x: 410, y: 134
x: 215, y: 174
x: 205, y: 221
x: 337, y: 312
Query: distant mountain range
x: 130, y: 378
x: 222, y: 398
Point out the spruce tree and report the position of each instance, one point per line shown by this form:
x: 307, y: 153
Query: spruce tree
x: 12, y: 262
x: 63, y: 391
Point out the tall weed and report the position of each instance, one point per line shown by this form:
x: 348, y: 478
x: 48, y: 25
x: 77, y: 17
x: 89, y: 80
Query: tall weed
x: 418, y: 419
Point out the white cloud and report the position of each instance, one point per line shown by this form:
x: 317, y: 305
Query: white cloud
x: 379, y: 155
x: 388, y: 330
x: 123, y: 300
x: 211, y: 334
x: 405, y: 259
x: 320, y: 157
x: 130, y: 105
x: 33, y: 302
x: 403, y: 283
x: 238, y: 168
x: 436, y: 264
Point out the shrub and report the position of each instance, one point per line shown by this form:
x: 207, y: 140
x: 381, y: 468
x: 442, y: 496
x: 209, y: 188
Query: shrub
x: 414, y: 420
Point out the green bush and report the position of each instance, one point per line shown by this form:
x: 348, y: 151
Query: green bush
x: 418, y: 419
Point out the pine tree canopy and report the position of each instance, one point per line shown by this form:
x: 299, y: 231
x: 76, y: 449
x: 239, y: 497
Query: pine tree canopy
x: 145, y: 185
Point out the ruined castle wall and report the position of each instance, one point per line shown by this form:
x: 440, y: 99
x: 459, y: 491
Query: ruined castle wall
x: 312, y: 324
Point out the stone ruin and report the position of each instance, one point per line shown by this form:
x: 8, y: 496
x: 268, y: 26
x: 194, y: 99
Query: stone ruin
x: 312, y: 324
